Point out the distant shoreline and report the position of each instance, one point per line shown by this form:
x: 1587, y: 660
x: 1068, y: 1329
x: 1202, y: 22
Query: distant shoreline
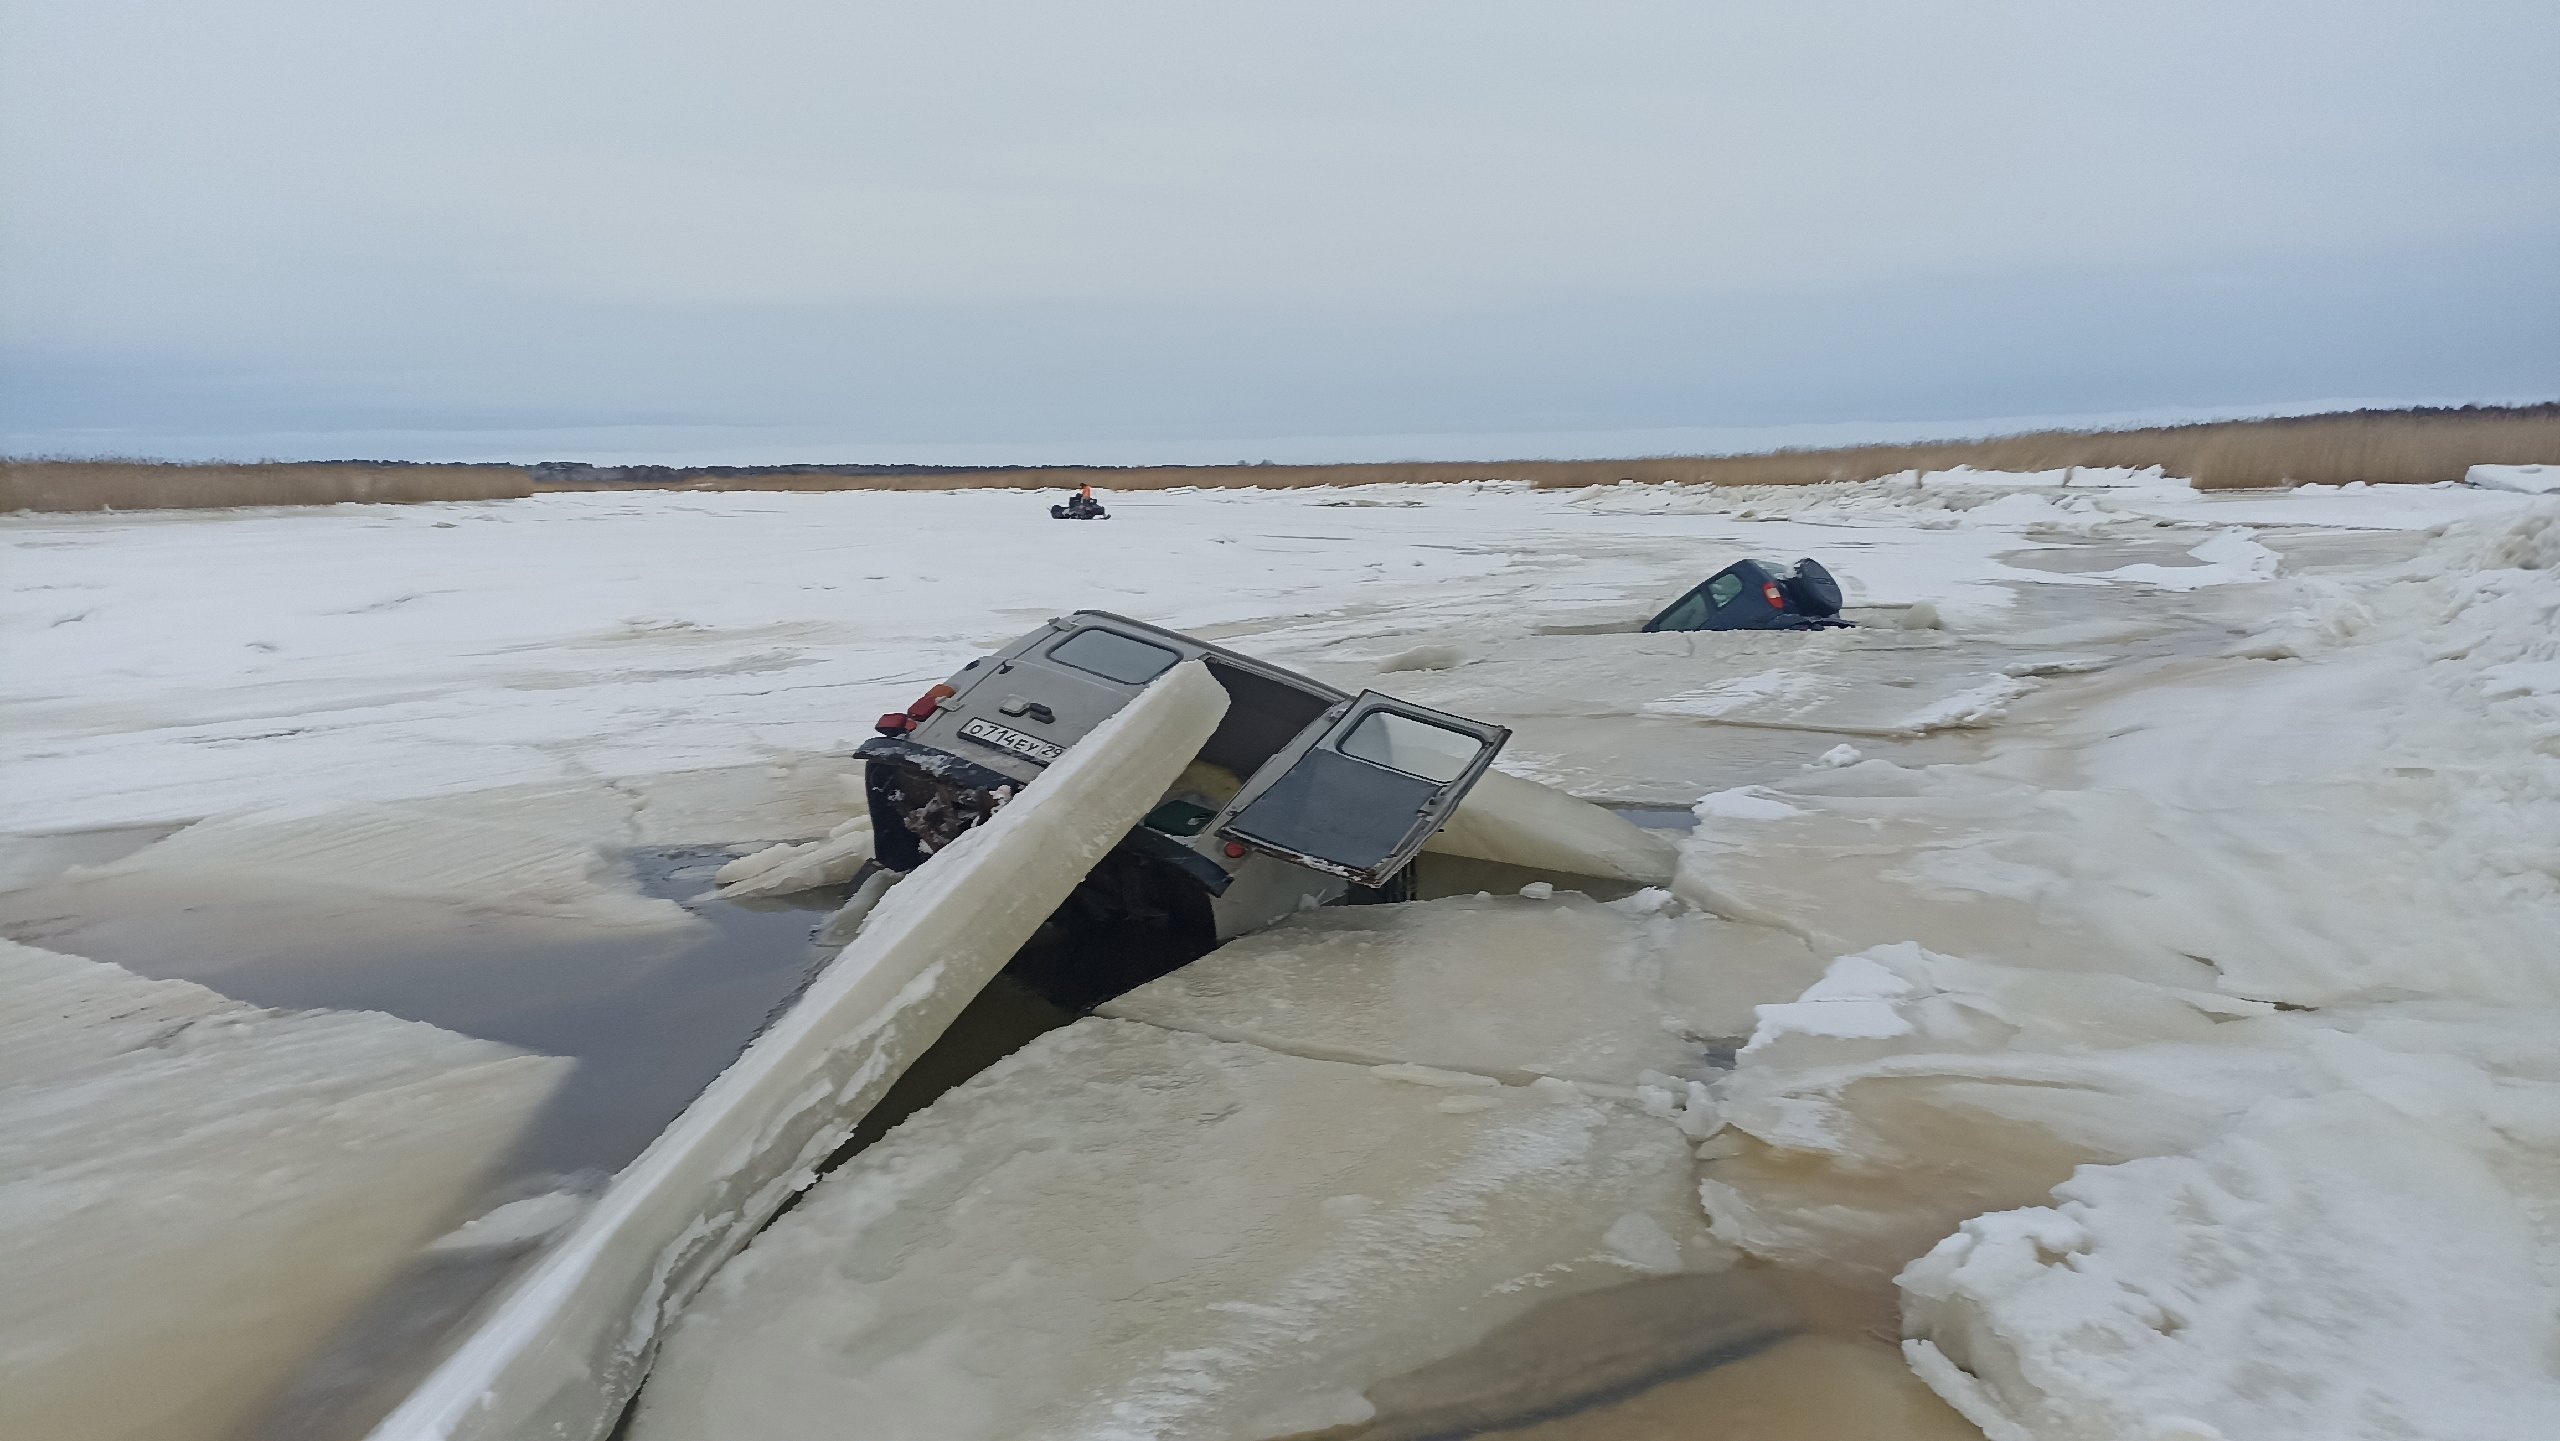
x: 2408, y: 445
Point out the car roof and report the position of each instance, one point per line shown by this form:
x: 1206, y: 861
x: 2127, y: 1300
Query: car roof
x: 1233, y: 658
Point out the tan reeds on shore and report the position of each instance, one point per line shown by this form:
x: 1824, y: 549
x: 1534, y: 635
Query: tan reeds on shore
x: 2383, y: 447
x: 150, y: 485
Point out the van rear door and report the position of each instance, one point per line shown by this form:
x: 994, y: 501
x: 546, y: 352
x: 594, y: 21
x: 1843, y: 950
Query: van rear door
x: 1358, y: 794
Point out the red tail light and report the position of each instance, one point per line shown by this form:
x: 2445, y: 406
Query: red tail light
x: 896, y: 722
x: 930, y: 702
x: 1777, y: 598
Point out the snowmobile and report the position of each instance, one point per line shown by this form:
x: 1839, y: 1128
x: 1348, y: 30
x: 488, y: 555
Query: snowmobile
x: 1079, y: 507
x: 1758, y: 595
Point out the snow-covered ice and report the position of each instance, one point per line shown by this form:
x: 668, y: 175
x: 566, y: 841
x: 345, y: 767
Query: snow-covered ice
x: 2199, y: 842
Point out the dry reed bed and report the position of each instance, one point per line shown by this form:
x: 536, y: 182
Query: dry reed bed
x: 2382, y: 447
x: 2378, y: 446
x: 147, y: 485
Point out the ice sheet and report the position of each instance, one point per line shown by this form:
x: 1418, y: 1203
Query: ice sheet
x: 2529, y: 479
x: 527, y: 860
x: 2272, y: 1202
x: 1519, y: 822
x: 564, y: 1347
x: 194, y: 1193
x: 1308, y: 1229
x: 2209, y: 1297
x: 1499, y: 986
x: 379, y: 653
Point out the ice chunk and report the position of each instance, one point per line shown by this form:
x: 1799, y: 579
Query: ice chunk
x: 786, y: 869
x: 1124, y: 1231
x: 1497, y: 986
x: 2531, y: 479
x: 1424, y: 657
x: 513, y: 1224
x: 2329, y: 1271
x: 198, y: 1192
x: 1522, y: 823
x: 1748, y: 803
x: 562, y: 1348
x: 547, y: 866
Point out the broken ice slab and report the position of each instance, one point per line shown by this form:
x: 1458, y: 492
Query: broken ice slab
x: 199, y: 1192
x: 563, y: 1349
x: 1501, y: 986
x: 1663, y: 719
x: 1517, y: 822
x: 1126, y: 1231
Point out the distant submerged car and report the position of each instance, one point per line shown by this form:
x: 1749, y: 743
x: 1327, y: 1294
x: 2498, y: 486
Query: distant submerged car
x: 1758, y: 595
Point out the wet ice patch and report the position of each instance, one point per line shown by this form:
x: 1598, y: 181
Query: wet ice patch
x: 1742, y: 695
x: 1493, y: 987
x: 2231, y: 558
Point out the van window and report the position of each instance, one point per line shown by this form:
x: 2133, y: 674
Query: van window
x: 1723, y: 589
x: 1415, y: 747
x: 1113, y: 656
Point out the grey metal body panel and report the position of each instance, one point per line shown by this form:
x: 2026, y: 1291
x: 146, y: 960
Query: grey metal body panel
x: 1322, y: 805
x: 1265, y: 888
x: 1080, y: 700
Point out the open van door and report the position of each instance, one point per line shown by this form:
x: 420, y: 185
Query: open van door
x: 1359, y: 793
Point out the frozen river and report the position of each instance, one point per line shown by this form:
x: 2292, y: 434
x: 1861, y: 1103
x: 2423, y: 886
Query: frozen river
x: 2192, y: 854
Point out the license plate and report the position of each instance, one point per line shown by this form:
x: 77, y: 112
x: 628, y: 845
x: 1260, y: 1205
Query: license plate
x: 988, y: 733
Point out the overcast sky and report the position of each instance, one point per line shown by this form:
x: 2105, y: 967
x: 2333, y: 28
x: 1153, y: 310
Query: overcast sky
x: 831, y: 230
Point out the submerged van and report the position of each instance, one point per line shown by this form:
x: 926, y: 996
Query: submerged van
x: 1305, y: 794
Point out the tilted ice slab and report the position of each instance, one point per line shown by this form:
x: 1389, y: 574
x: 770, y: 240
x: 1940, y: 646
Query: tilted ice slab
x: 565, y: 1346
x: 1519, y: 822
x: 1502, y: 986
x: 545, y: 862
x: 1129, y: 1232
x: 195, y: 1193
x: 2334, y: 1270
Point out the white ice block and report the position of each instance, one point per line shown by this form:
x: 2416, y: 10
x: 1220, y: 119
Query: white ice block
x: 196, y: 1193
x: 1128, y: 1232
x: 565, y: 1347
x: 1522, y: 823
